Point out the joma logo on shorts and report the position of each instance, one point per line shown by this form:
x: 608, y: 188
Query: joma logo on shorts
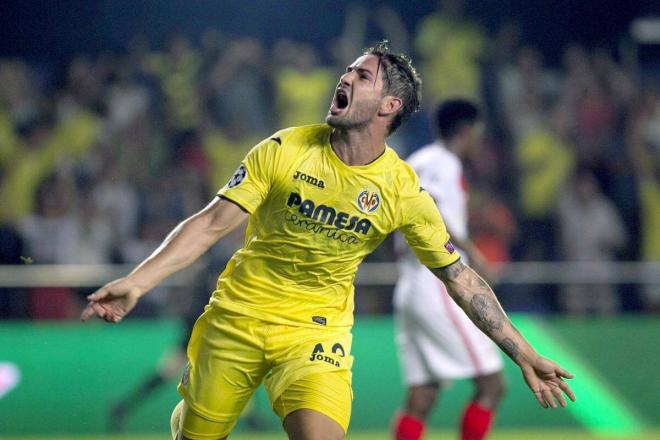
x: 318, y: 354
x: 309, y: 179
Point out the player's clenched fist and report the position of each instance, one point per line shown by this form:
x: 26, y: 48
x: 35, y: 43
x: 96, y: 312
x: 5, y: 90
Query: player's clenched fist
x: 113, y: 301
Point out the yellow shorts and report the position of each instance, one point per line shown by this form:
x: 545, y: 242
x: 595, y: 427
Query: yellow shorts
x: 229, y: 355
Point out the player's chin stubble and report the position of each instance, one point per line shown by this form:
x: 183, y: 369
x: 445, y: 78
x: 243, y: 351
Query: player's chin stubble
x: 359, y: 118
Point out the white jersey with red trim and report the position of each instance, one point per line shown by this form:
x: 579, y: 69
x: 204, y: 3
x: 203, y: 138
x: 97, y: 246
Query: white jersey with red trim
x: 436, y: 339
x: 440, y: 172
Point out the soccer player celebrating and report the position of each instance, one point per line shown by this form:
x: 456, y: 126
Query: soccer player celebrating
x: 318, y: 199
x: 437, y: 341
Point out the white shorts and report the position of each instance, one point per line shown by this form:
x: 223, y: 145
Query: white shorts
x: 436, y: 340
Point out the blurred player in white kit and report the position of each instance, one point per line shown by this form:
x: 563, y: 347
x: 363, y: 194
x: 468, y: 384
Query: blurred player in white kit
x: 436, y: 340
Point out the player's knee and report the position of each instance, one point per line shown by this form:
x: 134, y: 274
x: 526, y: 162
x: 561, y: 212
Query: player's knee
x: 421, y: 399
x: 175, y: 420
x: 498, y: 386
x: 490, y: 389
x: 182, y: 417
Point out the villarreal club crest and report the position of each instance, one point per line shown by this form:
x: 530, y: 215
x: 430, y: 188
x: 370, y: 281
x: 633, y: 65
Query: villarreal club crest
x: 368, y: 201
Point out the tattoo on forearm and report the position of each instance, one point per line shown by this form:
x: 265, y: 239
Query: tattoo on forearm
x: 452, y: 271
x: 458, y: 293
x: 510, y: 348
x: 515, y: 329
x: 487, y: 313
x: 482, y: 283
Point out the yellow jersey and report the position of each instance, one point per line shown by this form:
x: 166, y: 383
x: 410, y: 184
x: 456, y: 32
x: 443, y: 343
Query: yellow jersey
x: 313, y: 220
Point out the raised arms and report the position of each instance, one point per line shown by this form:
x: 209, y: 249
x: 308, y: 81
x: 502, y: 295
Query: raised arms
x: 476, y: 298
x: 187, y: 242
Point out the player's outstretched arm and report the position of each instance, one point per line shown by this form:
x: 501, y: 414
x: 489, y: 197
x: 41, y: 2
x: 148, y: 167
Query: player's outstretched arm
x: 187, y: 242
x: 544, y: 377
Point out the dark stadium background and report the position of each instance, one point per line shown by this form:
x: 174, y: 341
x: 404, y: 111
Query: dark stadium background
x: 69, y: 27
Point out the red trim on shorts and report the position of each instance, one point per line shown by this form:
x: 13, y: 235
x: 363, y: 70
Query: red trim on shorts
x: 446, y: 301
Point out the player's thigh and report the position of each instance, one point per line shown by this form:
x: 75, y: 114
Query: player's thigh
x: 490, y: 388
x: 225, y: 366
x: 311, y: 370
x: 317, y: 405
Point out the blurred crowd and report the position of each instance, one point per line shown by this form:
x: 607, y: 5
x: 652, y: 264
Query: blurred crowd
x: 102, y: 156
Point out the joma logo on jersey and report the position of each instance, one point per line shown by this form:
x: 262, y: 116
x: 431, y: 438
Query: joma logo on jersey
x: 368, y: 201
x: 309, y: 179
x: 329, y: 215
x: 318, y: 354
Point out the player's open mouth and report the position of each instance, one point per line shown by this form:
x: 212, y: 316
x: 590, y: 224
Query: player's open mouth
x: 340, y: 102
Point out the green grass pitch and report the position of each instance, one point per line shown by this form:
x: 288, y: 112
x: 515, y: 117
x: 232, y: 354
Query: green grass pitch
x: 433, y: 435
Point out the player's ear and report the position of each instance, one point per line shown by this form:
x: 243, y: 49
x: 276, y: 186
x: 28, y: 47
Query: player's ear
x: 390, y: 105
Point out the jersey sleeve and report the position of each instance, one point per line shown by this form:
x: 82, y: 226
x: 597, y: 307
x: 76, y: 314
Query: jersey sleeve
x: 425, y: 231
x: 253, y: 179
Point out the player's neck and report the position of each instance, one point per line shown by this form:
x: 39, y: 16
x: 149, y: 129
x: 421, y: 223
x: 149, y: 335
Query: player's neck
x: 357, y: 147
x: 453, y: 146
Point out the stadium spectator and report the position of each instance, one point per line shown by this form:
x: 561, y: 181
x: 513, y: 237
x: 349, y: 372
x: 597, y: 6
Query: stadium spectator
x: 13, y: 301
x: 93, y: 240
x: 116, y: 197
x: 544, y: 158
x: 643, y: 139
x: 239, y: 87
x: 494, y: 226
x: 591, y: 230
x: 450, y: 45
x: 50, y: 237
x: 178, y: 69
x: 45, y: 144
x: 525, y: 88
x: 302, y: 84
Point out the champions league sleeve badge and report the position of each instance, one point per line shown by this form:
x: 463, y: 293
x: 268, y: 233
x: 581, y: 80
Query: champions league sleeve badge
x: 368, y: 201
x: 238, y: 177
